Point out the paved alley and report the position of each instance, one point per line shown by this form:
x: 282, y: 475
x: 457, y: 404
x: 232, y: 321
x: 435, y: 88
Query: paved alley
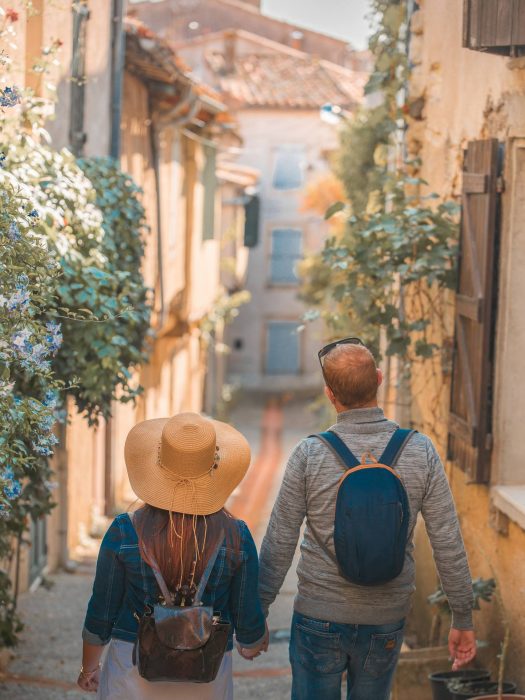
x: 46, y: 663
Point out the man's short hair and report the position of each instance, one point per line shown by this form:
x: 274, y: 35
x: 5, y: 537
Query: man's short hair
x: 350, y: 371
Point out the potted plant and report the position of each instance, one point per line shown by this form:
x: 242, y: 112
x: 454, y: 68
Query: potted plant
x: 482, y: 589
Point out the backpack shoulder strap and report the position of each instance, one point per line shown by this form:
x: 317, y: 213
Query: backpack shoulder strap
x: 338, y: 447
x: 207, y: 571
x: 395, y: 446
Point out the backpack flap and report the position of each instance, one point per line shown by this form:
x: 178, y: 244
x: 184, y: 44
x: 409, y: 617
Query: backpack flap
x: 183, y: 628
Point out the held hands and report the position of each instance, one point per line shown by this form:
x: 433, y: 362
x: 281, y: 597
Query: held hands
x: 462, y: 647
x: 253, y: 652
x: 89, y: 680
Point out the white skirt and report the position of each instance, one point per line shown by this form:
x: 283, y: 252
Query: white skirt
x: 120, y: 680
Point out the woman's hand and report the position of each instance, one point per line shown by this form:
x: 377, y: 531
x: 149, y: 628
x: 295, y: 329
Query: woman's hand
x: 252, y: 653
x: 89, y: 680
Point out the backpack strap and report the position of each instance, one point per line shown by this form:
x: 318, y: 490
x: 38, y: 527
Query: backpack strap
x: 395, y: 446
x: 168, y: 598
x: 207, y: 571
x: 338, y: 447
x: 204, y: 578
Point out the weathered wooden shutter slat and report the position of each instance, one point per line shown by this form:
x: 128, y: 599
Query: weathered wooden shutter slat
x: 496, y: 26
x: 470, y: 406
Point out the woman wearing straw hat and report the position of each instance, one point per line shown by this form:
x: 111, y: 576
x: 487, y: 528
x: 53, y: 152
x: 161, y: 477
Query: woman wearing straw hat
x: 183, y: 469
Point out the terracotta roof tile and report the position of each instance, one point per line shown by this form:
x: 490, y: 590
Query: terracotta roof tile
x: 285, y: 80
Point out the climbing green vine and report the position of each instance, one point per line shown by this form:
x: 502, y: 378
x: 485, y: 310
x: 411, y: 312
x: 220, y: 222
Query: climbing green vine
x: 392, y: 247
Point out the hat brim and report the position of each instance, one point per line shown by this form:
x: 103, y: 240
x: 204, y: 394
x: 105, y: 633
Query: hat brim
x: 157, y: 486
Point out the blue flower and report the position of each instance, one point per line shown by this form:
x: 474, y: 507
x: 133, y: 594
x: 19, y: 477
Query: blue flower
x: 14, y: 232
x: 54, y: 337
x: 42, y: 450
x: 19, y: 299
x: 2, y: 160
x: 20, y: 341
x: 8, y: 474
x: 34, y: 214
x: 13, y: 490
x: 50, y: 398
x: 12, y: 487
x: 9, y: 97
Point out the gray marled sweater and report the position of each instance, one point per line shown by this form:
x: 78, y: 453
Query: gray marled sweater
x: 309, y: 491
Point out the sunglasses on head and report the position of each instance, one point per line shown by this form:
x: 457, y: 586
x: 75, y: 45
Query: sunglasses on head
x: 323, y: 352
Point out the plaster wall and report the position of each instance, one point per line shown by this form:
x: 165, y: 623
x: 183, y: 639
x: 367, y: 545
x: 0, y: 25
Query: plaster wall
x: 263, y: 132
x: 471, y: 95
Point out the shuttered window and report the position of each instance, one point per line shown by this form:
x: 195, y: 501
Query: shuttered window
x: 289, y: 165
x: 282, y: 348
x: 286, y: 252
x: 470, y: 431
x: 252, y: 208
x: 495, y: 26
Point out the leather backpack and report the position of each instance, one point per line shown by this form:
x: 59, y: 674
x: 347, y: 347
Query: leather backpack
x: 181, y: 643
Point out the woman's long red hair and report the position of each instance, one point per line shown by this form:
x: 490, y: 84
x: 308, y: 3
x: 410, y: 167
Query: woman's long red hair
x: 182, y: 544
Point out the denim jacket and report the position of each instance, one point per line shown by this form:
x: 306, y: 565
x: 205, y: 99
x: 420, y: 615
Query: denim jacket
x: 125, y: 584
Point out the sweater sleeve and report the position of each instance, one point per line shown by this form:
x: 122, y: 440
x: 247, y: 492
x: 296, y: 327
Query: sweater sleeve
x: 442, y: 524
x: 282, y: 535
x: 108, y: 589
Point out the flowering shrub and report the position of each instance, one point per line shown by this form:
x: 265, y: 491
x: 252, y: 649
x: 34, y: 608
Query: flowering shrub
x: 30, y: 337
x: 96, y: 237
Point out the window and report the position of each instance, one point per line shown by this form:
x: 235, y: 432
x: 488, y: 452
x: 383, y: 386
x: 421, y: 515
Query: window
x: 288, y: 173
x: 282, y: 348
x: 286, y: 251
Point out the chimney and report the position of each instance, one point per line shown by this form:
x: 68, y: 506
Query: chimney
x: 296, y: 40
x: 229, y: 50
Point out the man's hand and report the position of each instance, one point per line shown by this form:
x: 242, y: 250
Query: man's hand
x: 253, y: 652
x: 462, y: 647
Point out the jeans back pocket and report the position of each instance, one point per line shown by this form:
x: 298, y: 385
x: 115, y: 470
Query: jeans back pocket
x: 315, y: 647
x: 383, y: 653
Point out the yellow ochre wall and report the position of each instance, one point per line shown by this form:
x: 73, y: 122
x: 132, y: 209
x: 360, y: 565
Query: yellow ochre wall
x: 471, y: 95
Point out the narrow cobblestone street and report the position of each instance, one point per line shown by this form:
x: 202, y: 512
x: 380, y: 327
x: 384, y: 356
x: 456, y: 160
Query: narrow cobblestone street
x: 45, y: 664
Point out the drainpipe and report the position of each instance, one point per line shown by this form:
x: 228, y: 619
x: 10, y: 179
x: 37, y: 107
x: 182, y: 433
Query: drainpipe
x: 154, y: 145
x: 118, y: 48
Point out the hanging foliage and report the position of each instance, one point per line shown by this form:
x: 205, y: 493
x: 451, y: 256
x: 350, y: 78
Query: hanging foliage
x: 393, y: 240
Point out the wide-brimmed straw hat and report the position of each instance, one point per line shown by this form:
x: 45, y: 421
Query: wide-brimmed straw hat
x: 187, y: 464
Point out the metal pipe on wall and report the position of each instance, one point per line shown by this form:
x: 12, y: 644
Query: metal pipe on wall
x: 118, y: 50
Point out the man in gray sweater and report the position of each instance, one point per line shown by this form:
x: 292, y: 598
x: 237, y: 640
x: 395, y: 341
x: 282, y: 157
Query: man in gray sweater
x: 339, y: 626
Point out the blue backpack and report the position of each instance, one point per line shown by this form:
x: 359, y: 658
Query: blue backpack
x: 372, y: 512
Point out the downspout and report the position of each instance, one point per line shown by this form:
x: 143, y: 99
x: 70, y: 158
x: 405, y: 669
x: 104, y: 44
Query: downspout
x: 118, y: 49
x: 154, y: 145
x: 118, y: 57
x: 403, y: 403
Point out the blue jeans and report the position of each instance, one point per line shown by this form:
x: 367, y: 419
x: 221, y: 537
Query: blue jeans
x: 320, y: 652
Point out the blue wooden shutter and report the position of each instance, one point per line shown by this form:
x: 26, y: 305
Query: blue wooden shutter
x: 282, y: 348
x: 286, y: 251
